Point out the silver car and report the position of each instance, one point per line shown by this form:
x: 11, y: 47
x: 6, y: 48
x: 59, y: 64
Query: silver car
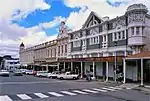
x: 4, y: 73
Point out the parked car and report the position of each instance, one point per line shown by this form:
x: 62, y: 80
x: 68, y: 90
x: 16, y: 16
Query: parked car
x: 23, y: 71
x: 4, y: 73
x: 29, y: 72
x: 18, y: 73
x: 53, y: 74
x: 68, y: 75
x: 42, y: 73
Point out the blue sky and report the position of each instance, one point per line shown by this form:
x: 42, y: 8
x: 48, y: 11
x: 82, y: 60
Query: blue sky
x: 58, y: 8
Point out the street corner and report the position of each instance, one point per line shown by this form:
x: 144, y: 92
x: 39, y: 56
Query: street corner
x: 144, y: 89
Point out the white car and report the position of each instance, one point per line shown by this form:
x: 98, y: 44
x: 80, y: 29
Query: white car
x: 42, y: 73
x: 68, y: 75
x: 4, y: 73
x: 23, y: 71
x: 53, y: 75
x: 29, y: 72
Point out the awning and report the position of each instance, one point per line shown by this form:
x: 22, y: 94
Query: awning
x: 143, y: 55
x: 91, y: 59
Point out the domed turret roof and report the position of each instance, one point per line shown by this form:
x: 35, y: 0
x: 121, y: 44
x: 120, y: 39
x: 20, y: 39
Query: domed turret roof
x: 137, y: 7
x: 22, y: 45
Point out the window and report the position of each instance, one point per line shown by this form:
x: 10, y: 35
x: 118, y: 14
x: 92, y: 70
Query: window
x: 58, y: 49
x: 132, y: 30
x: 62, y: 49
x: 119, y: 35
x: 115, y: 36
x: 137, y: 30
x: 104, y: 38
x: 123, y: 35
x: 65, y: 48
x: 94, y: 40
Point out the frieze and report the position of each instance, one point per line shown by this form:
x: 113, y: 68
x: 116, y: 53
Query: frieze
x: 136, y: 18
x: 119, y: 22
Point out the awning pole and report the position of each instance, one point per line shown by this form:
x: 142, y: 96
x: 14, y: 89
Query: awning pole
x: 124, y: 71
x: 141, y: 72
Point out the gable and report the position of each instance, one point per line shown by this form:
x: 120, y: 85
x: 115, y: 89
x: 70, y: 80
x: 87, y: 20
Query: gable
x: 92, y: 20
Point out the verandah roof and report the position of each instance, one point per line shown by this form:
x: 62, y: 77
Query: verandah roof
x: 144, y: 55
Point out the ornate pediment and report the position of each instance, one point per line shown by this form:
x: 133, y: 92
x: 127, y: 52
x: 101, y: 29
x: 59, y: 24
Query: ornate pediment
x: 92, y: 20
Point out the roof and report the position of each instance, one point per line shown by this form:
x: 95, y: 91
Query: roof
x: 89, y: 17
x: 22, y: 45
x: 145, y: 54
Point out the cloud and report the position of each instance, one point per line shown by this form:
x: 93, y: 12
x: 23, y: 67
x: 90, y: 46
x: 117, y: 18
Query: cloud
x: 11, y: 34
x: 53, y: 23
x: 14, y: 9
x: 101, y: 7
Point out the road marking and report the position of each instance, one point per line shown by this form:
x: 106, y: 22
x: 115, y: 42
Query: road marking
x: 118, y: 88
x: 101, y: 90
x: 55, y: 94
x: 24, y: 96
x: 5, y: 98
x: 91, y: 91
x: 68, y: 93
x: 108, y: 89
x: 41, y: 95
x: 80, y: 92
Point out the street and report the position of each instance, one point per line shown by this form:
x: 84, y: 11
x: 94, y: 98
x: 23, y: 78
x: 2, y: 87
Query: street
x: 30, y: 88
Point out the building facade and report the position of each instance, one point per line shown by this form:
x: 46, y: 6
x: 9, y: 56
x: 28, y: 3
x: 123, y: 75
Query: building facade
x: 97, y: 47
x: 44, y: 56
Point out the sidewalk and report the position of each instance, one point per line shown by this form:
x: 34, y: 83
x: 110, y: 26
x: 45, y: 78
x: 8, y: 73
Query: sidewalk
x: 100, y: 81
x: 145, y: 89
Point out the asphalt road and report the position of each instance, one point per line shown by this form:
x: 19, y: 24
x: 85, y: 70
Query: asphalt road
x: 30, y: 88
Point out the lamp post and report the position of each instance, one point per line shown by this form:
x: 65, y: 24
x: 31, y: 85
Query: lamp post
x: 115, y: 60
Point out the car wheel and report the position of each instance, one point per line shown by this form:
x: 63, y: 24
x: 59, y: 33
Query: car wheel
x: 74, y: 78
x: 61, y: 78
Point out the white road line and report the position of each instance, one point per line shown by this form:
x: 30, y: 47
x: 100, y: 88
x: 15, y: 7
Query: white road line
x: 41, y: 95
x: 101, y: 90
x: 118, y: 88
x: 5, y: 98
x: 24, y: 96
x: 91, y: 91
x: 68, y: 93
x: 80, y: 92
x: 55, y: 94
x: 108, y: 89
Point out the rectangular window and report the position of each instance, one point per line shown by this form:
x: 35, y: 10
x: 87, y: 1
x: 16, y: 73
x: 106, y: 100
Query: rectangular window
x: 65, y: 48
x: 94, y: 40
x: 104, y: 38
x: 132, y: 30
x: 123, y: 35
x: 58, y: 49
x: 115, y: 36
x: 62, y: 49
x: 119, y: 35
x: 137, y: 30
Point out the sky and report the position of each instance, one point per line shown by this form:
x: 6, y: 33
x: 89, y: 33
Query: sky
x: 36, y: 21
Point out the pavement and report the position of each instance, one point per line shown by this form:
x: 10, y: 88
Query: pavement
x: 30, y: 88
x: 145, y: 89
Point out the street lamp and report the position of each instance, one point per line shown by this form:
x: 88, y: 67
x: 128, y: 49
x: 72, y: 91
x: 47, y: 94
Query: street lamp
x: 115, y: 60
